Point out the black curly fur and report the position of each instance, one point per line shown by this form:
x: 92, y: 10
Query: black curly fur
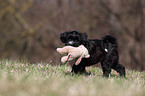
x: 104, y: 50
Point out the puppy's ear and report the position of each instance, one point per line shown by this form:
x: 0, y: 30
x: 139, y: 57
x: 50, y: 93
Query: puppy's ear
x: 84, y: 36
x: 63, y: 37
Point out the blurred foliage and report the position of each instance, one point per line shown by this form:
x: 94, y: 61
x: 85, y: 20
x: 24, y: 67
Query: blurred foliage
x: 29, y: 29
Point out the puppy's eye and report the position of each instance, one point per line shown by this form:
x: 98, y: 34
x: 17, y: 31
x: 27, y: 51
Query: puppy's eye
x: 76, y: 38
x: 70, y: 37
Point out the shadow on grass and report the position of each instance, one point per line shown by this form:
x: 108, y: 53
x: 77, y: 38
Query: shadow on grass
x: 114, y: 76
x: 117, y: 76
x: 93, y: 75
x: 79, y: 74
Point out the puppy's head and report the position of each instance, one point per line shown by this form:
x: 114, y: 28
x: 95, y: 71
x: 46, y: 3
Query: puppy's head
x: 73, y: 38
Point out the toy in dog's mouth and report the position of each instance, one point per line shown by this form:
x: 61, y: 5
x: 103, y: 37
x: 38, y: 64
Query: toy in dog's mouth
x: 73, y: 52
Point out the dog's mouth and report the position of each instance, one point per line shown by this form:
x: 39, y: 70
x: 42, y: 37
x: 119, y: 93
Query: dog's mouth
x: 72, y: 43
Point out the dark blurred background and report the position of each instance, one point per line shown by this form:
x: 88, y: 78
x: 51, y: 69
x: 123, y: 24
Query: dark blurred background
x: 29, y: 29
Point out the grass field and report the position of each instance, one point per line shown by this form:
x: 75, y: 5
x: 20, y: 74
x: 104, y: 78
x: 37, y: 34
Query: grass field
x: 22, y: 79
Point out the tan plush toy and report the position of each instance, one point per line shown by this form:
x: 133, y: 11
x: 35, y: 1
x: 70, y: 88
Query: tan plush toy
x: 73, y: 52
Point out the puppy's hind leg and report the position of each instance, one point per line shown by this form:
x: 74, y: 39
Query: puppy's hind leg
x: 120, y: 69
x: 106, y: 67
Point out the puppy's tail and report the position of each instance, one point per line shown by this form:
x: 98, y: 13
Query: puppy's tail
x: 110, y: 39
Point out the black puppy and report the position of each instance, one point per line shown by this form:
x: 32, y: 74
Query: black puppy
x: 104, y: 50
